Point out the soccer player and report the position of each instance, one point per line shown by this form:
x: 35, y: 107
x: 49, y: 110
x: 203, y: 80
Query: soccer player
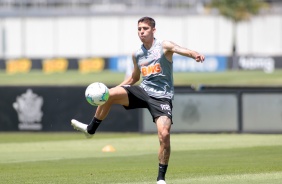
x: 154, y: 61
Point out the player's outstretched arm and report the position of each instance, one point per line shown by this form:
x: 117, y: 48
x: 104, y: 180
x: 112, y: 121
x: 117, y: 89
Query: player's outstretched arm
x: 174, y: 48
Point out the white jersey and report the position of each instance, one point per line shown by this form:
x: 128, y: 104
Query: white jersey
x: 156, y: 71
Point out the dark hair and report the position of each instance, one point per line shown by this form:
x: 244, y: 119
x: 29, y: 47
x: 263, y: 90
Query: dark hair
x: 150, y: 21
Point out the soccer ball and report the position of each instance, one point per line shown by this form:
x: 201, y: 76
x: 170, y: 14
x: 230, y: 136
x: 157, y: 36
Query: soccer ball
x: 97, y: 93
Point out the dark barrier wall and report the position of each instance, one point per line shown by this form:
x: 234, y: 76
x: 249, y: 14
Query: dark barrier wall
x: 52, y: 108
x: 262, y: 112
x: 201, y: 112
x: 224, y: 109
x: 208, y: 109
x: 259, y: 108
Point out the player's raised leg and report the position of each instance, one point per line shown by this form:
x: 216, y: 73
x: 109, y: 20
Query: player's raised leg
x: 118, y: 95
x: 163, y: 126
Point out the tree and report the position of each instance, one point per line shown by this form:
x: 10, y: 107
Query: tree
x: 237, y: 11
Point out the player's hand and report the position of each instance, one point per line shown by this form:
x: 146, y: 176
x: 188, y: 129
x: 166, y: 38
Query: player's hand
x: 200, y: 58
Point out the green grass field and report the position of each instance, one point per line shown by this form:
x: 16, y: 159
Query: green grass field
x: 238, y: 78
x: 69, y: 158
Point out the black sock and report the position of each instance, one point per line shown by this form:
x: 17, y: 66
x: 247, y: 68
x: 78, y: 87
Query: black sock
x: 92, y: 127
x: 162, y: 171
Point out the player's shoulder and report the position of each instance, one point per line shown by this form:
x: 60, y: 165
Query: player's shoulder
x: 159, y: 42
x: 165, y: 42
x: 138, y: 51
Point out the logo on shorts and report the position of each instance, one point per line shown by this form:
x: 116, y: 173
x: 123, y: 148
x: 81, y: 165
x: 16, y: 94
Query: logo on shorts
x: 165, y: 107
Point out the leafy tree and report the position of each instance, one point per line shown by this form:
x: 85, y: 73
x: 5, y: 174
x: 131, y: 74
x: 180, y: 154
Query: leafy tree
x: 236, y: 11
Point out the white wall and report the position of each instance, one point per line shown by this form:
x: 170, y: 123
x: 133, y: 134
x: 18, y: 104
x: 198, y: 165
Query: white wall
x: 39, y: 37
x: 13, y: 29
x: 117, y: 35
x: 1, y: 38
x: 261, y: 35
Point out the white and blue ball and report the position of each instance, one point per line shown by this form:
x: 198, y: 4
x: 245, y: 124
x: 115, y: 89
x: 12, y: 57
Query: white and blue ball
x: 97, y: 93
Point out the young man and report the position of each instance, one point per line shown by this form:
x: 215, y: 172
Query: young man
x: 154, y: 61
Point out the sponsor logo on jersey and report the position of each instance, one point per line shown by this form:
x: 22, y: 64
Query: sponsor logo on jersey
x: 152, y: 69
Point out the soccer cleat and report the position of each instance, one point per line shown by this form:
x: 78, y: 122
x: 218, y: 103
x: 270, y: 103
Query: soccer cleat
x: 80, y: 127
x: 161, y: 182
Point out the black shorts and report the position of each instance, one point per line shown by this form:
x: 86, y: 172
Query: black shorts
x: 138, y: 98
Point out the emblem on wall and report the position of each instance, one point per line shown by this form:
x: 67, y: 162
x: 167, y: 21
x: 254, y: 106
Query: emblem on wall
x: 28, y: 107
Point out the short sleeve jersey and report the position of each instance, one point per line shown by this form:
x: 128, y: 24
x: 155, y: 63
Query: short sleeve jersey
x: 156, y: 71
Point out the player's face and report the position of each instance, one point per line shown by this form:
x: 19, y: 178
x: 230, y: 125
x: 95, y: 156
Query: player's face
x: 145, y: 32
